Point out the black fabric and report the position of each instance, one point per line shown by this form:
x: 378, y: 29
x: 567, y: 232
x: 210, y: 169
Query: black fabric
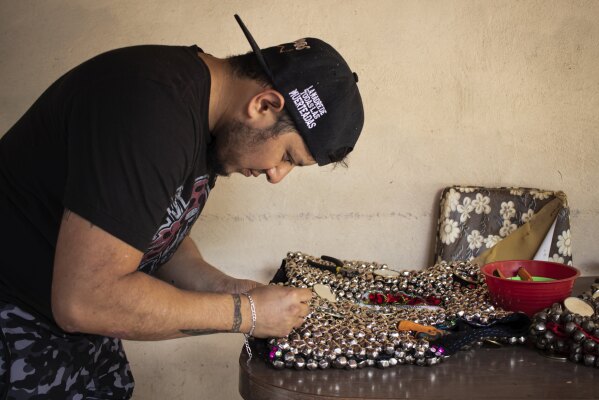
x: 465, y: 333
x: 36, y: 362
x: 120, y: 140
x: 280, y: 276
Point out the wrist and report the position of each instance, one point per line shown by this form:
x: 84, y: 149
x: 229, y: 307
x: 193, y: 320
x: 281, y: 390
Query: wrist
x: 246, y: 314
x: 237, y: 315
x: 252, y: 314
x: 221, y: 284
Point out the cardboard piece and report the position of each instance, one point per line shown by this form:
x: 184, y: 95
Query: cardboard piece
x: 525, y: 241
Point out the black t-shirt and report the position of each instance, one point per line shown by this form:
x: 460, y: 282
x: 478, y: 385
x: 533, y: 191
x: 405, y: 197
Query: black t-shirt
x: 120, y: 140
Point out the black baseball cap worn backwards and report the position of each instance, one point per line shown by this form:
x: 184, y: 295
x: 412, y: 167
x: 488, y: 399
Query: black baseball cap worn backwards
x: 320, y: 93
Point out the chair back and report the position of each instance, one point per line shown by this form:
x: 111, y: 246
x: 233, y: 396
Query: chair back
x: 473, y: 219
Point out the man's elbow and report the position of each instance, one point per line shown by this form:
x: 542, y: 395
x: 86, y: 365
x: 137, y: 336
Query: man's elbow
x: 69, y: 314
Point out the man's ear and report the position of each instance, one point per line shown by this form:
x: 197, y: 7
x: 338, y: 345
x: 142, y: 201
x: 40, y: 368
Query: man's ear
x: 264, y: 107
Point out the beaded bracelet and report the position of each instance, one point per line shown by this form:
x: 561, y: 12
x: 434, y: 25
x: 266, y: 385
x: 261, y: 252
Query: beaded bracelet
x: 251, y: 332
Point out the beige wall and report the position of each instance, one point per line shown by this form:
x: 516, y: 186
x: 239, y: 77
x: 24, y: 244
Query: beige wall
x: 490, y: 93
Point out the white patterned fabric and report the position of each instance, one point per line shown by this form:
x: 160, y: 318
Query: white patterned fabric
x: 473, y: 219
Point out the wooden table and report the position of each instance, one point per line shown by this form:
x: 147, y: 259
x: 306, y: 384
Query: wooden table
x: 514, y: 372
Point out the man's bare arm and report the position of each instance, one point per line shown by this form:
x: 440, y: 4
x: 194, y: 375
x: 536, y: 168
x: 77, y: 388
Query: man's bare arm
x: 97, y: 289
x: 188, y: 270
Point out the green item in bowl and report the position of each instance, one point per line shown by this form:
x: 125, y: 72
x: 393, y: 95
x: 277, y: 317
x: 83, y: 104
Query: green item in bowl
x: 534, y: 279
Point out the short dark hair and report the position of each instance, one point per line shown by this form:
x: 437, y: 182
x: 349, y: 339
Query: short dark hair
x: 247, y: 66
x: 339, y: 157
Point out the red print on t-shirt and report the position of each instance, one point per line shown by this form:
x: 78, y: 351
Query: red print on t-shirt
x: 180, y: 217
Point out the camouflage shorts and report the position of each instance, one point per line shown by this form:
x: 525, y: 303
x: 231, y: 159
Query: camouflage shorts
x: 38, y: 361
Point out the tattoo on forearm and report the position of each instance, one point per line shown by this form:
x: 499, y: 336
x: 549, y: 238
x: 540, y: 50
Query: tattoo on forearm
x: 236, y: 313
x: 199, y: 332
x: 236, y: 321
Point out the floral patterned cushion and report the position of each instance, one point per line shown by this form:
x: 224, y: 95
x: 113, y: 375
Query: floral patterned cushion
x: 474, y: 219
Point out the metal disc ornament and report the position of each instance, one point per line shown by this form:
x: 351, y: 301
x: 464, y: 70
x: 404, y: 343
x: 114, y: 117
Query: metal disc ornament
x: 386, y: 273
x: 578, y: 306
x: 324, y: 292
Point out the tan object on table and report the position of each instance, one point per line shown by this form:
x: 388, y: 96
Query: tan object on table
x: 524, y: 242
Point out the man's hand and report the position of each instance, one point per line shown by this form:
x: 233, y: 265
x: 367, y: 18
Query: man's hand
x: 279, y: 309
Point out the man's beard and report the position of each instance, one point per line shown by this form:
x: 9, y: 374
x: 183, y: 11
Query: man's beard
x: 215, y: 166
x: 232, y: 140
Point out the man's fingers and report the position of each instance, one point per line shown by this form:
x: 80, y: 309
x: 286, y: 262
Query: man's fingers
x: 305, y: 310
x: 280, y: 309
x: 305, y: 295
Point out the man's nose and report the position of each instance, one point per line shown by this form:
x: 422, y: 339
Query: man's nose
x: 276, y: 174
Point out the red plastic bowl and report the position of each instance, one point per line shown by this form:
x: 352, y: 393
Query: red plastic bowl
x: 529, y: 297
